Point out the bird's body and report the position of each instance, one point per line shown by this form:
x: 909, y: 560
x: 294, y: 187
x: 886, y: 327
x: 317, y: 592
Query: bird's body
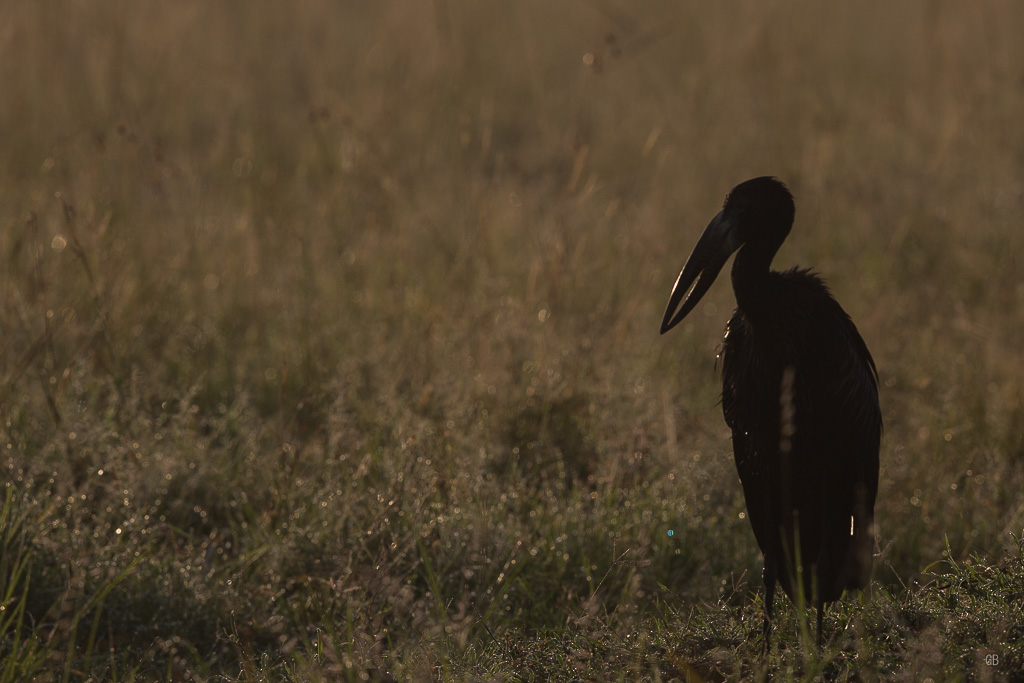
x: 799, y: 391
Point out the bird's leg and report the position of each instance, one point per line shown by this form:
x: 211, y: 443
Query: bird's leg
x: 769, y: 600
x: 821, y: 612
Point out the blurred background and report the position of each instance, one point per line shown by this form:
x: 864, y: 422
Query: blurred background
x: 353, y: 307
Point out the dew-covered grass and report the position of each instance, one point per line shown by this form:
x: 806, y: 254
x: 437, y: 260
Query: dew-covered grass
x: 329, y: 335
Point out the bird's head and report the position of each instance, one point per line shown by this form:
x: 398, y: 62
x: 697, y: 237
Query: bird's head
x: 758, y: 212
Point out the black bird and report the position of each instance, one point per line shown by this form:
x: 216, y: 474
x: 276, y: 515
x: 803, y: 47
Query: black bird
x: 800, y: 392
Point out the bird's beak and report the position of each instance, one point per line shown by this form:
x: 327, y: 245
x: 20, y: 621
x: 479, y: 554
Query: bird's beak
x: 712, y: 251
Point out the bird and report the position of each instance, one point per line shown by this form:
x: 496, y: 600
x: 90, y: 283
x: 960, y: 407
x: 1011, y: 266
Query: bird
x: 800, y: 394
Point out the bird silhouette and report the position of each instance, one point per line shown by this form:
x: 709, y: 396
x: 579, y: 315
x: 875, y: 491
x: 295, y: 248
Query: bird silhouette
x: 800, y: 393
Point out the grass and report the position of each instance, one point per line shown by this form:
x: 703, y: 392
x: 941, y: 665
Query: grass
x: 329, y: 335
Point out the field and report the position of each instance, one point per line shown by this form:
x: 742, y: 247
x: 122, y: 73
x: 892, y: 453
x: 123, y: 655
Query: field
x: 329, y: 335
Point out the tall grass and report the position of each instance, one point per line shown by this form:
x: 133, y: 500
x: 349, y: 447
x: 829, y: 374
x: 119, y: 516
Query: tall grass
x: 328, y: 334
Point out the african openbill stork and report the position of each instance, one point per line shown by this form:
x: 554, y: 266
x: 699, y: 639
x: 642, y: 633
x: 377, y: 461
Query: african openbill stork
x: 800, y: 393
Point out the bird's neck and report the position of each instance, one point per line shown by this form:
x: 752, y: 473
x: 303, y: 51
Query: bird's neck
x: 751, y: 280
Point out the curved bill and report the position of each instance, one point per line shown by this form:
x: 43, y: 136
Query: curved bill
x: 712, y: 251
